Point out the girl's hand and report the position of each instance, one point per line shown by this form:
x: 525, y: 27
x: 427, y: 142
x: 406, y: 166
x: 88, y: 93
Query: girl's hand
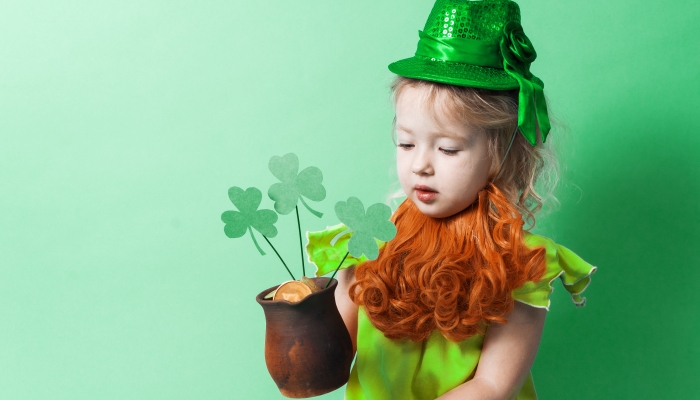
x: 348, y: 310
x: 506, y: 357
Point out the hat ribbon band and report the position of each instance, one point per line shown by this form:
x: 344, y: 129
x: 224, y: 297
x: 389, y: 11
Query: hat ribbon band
x: 459, y: 50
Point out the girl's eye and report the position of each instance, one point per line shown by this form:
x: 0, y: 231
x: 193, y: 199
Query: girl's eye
x: 405, y: 146
x: 449, y: 152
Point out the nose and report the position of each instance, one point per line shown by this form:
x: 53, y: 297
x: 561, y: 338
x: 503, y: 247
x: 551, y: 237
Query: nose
x: 422, y: 163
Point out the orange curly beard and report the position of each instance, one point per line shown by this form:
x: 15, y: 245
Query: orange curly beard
x: 454, y: 274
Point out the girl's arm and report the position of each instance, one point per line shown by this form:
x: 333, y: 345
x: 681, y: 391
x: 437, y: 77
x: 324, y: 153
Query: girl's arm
x: 506, y: 357
x: 347, y: 309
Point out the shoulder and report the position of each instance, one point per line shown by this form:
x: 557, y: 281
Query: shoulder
x: 346, y: 276
x: 562, y: 263
x: 533, y: 241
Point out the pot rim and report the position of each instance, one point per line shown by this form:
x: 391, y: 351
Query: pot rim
x: 260, y: 298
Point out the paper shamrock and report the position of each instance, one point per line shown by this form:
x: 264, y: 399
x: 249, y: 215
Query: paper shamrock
x: 369, y: 229
x: 367, y: 226
x: 248, y: 216
x: 294, y: 185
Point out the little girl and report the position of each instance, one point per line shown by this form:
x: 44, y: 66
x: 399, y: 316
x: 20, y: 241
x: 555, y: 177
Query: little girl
x: 455, y: 305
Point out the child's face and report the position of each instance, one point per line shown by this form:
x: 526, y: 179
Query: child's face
x: 443, y: 166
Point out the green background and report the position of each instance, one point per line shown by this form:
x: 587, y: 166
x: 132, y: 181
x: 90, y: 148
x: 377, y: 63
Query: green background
x: 124, y: 123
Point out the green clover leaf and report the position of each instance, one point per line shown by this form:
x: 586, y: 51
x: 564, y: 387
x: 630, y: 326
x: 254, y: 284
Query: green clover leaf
x: 248, y: 216
x: 367, y: 226
x: 294, y: 184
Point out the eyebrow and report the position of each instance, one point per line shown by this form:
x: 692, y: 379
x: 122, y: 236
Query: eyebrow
x: 404, y: 129
x: 448, y: 135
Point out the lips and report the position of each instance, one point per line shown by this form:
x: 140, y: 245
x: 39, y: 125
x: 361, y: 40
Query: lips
x: 425, y: 194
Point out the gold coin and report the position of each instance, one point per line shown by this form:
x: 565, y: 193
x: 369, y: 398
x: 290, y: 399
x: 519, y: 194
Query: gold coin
x: 292, y: 291
x: 311, y: 284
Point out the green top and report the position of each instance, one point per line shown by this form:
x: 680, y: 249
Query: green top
x: 402, y: 369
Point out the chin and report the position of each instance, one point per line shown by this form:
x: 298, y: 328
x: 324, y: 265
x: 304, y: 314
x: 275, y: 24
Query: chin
x: 434, y: 210
x: 430, y: 211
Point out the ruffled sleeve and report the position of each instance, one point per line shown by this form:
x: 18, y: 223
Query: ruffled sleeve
x: 326, y: 256
x: 574, y: 272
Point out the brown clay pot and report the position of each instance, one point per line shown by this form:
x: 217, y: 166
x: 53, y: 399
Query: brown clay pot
x: 308, y: 349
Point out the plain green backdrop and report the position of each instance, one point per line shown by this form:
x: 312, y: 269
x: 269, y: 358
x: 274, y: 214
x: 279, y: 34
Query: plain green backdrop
x: 124, y: 123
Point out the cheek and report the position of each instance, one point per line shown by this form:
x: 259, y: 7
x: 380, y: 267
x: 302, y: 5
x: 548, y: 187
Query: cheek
x: 484, y: 170
x: 401, y: 165
x: 473, y: 176
x: 485, y: 161
x: 403, y: 170
x: 478, y: 167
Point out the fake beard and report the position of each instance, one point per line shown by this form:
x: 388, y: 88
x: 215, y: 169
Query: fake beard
x: 454, y: 274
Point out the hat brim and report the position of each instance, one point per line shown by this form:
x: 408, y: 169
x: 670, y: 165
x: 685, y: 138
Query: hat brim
x: 454, y: 73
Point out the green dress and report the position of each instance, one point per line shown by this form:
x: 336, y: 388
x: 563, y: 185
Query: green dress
x: 406, y: 370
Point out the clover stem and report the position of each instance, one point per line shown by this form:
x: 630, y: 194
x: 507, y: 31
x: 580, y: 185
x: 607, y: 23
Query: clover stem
x: 255, y: 241
x: 336, y: 270
x: 301, y: 244
x: 312, y: 211
x: 280, y: 257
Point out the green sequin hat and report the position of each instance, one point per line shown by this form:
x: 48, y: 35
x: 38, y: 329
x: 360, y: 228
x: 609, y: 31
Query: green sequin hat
x: 480, y: 44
